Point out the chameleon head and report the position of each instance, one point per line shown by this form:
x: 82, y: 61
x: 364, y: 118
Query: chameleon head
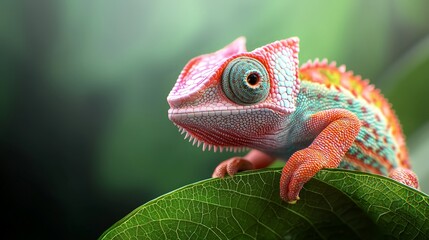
x: 233, y: 98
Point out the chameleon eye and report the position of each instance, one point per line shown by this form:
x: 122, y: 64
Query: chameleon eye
x: 245, y: 81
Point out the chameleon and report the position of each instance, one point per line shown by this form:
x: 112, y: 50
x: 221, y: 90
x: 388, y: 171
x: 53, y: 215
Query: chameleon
x: 315, y: 116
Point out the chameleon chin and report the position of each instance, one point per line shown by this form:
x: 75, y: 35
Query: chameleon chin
x: 315, y: 116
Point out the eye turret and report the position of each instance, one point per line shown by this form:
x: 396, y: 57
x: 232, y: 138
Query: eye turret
x: 245, y: 81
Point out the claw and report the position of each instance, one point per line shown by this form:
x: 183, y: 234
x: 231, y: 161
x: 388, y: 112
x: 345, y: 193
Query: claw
x: 294, y: 201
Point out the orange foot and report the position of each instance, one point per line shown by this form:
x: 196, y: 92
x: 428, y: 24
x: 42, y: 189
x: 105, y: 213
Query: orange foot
x: 405, y: 176
x: 253, y: 160
x: 300, y: 168
x: 232, y: 166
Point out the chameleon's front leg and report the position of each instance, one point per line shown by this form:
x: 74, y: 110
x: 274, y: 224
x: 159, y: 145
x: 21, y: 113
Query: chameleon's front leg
x: 253, y: 160
x: 337, y: 130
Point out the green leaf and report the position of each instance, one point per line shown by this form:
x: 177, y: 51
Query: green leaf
x: 334, y: 204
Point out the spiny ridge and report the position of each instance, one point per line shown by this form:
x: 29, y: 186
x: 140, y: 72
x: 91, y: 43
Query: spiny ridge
x: 206, y: 146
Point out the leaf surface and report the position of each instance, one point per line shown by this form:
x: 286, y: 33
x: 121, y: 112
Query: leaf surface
x: 334, y: 204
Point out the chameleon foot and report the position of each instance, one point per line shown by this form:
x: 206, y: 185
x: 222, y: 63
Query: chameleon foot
x: 232, y: 166
x: 405, y: 176
x: 300, y: 168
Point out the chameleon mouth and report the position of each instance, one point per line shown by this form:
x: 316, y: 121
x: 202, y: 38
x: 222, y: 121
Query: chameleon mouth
x: 222, y: 129
x: 181, y: 113
x: 205, y: 139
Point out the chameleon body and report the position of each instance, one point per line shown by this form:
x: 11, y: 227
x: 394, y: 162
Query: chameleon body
x: 316, y: 116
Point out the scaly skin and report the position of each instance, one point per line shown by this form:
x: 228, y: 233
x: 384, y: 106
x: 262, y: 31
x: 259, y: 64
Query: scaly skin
x: 317, y: 116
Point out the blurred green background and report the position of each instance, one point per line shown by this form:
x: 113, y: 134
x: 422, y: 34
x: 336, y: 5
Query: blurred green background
x: 84, y: 131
